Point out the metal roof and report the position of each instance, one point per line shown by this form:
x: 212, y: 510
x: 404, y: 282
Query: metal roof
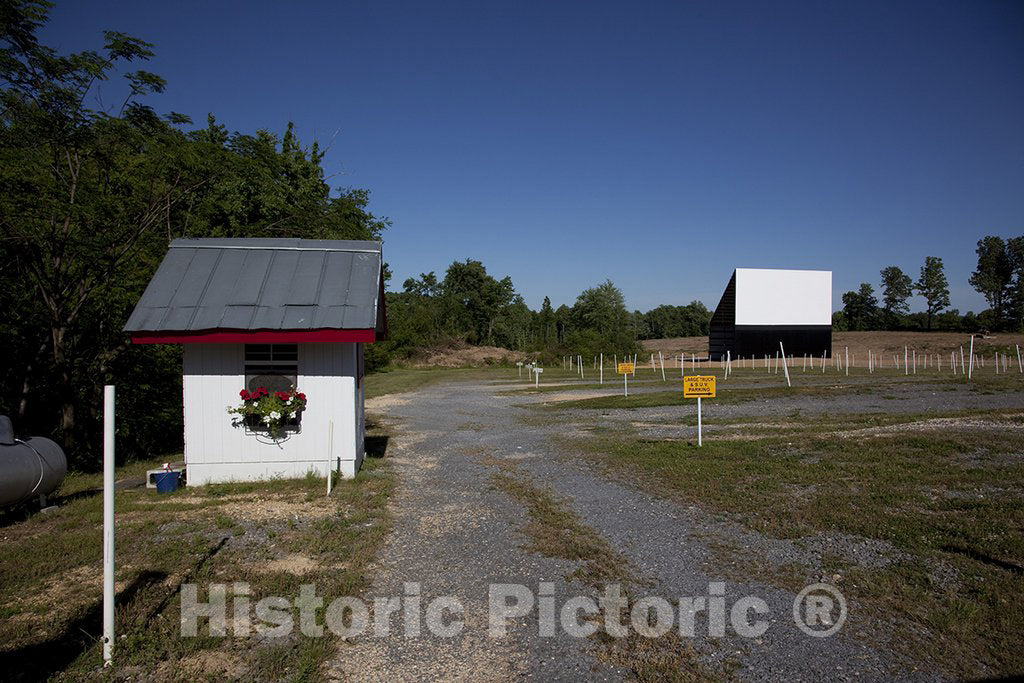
x: 262, y: 284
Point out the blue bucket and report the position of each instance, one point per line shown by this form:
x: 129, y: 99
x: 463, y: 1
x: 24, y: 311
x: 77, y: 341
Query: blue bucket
x: 166, y: 482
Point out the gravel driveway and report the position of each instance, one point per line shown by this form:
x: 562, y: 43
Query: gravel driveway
x: 455, y: 534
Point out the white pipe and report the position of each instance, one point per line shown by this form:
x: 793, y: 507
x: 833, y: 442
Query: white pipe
x: 330, y: 453
x: 108, y: 524
x: 784, y: 365
x: 970, y: 366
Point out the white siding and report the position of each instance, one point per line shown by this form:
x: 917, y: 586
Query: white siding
x: 217, y: 451
x: 783, y: 297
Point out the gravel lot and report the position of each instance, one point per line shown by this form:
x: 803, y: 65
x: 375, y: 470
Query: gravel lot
x: 455, y: 534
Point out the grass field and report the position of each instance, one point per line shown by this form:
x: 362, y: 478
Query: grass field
x: 402, y: 380
x: 942, y: 492
x: 936, y: 493
x: 272, y: 535
x: 860, y: 342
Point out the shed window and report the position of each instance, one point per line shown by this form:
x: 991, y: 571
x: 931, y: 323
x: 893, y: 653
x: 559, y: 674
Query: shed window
x: 274, y: 366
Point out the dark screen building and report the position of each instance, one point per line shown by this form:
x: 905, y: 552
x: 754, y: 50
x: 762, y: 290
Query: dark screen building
x: 762, y: 307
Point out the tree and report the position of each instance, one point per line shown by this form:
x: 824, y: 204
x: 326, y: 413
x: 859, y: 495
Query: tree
x: 602, y: 309
x: 474, y: 300
x: 88, y: 203
x: 667, y: 321
x: 80, y: 190
x: 1015, y: 250
x: 860, y: 308
x: 994, y: 275
x: 547, y: 334
x: 932, y: 285
x: 897, y: 287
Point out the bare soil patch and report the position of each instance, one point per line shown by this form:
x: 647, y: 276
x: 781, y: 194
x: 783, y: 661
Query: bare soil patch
x: 459, y: 354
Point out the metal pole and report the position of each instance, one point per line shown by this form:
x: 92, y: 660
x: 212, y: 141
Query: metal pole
x: 108, y: 524
x: 700, y: 439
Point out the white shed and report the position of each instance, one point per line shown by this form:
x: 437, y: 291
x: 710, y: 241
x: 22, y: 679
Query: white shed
x: 285, y: 315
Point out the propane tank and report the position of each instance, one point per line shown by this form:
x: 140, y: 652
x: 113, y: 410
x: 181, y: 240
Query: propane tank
x: 29, y: 468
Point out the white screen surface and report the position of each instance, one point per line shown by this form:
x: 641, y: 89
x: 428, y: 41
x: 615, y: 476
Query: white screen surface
x: 783, y: 297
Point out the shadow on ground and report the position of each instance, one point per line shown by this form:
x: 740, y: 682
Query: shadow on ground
x: 39, y: 661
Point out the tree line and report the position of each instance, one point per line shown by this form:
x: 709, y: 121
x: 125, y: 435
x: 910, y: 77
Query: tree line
x: 470, y: 305
x: 999, y: 277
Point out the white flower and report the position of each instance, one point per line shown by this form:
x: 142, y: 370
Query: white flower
x: 266, y: 418
x: 275, y: 415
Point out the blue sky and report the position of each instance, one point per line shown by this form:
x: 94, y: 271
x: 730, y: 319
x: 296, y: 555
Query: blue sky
x: 657, y: 144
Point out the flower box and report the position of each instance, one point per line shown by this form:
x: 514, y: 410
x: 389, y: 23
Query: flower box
x: 255, y: 423
x: 271, y: 412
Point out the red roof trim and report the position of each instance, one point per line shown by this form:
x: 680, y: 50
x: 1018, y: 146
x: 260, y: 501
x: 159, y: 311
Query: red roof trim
x: 254, y: 336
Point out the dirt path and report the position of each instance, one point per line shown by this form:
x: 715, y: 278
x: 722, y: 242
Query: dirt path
x: 456, y: 534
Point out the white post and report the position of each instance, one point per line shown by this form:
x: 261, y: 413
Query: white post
x: 1019, y: 365
x: 847, y: 360
x: 805, y: 362
x: 634, y: 365
x: 625, y: 384
x: 602, y: 368
x: 970, y: 367
x: 330, y: 453
x: 700, y: 438
x: 661, y: 359
x: 785, y: 366
x: 823, y: 361
x: 915, y: 361
x: 108, y: 524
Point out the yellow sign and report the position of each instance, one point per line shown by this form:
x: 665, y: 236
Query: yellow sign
x: 626, y: 369
x: 699, y: 386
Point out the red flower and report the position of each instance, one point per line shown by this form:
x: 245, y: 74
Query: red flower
x: 302, y: 397
x: 283, y: 395
x: 245, y: 395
